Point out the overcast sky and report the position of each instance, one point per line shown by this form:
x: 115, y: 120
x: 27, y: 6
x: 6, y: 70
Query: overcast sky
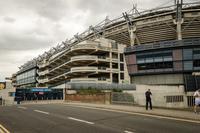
x: 30, y: 27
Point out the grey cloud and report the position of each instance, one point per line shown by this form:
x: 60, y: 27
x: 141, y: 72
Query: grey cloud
x: 22, y: 42
x: 9, y: 19
x: 51, y: 9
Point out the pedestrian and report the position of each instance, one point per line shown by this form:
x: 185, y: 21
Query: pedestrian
x: 148, y: 95
x: 197, y: 100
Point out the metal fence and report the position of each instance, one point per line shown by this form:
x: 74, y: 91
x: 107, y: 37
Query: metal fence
x: 122, y: 98
x: 190, y: 101
x: 102, y: 86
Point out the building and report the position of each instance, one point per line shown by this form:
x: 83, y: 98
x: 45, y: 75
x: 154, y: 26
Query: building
x: 168, y: 55
x: 26, y: 76
x: 88, y: 63
x: 162, y: 53
x: 7, y: 94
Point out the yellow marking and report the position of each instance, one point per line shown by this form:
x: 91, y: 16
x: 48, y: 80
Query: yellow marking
x: 3, y: 129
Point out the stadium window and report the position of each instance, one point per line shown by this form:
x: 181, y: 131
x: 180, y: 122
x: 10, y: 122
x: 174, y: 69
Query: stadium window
x: 122, y: 76
x: 196, y: 63
x: 121, y: 67
x: 121, y: 57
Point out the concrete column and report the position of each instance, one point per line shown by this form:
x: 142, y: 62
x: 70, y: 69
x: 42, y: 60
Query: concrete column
x: 132, y: 34
x: 110, y: 54
x: 179, y: 31
x: 119, y: 68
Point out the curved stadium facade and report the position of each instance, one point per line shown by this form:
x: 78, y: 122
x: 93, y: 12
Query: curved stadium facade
x: 162, y: 48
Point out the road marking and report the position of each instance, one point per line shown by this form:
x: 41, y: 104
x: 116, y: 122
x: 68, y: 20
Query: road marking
x: 141, y: 114
x: 128, y: 131
x: 3, y: 129
x: 71, y: 118
x: 47, y: 113
x: 22, y: 107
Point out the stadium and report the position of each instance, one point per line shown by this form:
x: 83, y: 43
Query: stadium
x: 157, y: 49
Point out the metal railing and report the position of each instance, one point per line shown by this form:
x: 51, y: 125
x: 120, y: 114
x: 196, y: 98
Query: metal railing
x: 165, y: 44
x: 122, y: 98
x: 102, y: 86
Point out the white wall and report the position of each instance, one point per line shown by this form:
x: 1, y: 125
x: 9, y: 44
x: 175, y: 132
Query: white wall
x: 5, y: 95
x: 159, y: 94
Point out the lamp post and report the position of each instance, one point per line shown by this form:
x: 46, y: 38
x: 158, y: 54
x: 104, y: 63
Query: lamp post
x: 65, y: 90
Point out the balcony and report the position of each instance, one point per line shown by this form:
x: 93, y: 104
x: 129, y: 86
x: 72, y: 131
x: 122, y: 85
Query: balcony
x: 41, y: 65
x: 43, y: 72
x: 84, y: 69
x: 84, y: 57
x: 41, y: 81
x: 84, y: 46
x: 90, y: 46
x: 89, y: 80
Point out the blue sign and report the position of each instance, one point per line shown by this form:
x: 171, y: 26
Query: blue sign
x: 40, y: 90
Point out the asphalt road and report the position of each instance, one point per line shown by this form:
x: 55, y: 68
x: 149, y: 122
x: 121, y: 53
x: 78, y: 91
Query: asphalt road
x: 62, y: 118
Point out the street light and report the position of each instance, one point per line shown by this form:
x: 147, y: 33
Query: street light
x: 65, y: 91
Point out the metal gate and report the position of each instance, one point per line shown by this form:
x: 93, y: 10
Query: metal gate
x: 122, y: 98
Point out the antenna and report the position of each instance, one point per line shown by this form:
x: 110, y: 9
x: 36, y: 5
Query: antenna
x: 134, y: 9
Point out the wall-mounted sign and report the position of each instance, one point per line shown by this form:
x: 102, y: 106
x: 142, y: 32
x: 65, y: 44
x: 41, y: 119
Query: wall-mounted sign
x: 40, y: 90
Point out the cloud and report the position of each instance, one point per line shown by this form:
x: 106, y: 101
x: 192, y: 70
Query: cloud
x: 9, y: 19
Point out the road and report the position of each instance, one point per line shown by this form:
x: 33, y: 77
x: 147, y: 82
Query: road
x: 62, y: 118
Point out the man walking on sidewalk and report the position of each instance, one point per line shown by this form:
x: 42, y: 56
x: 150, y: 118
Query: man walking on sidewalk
x: 197, y: 100
x: 148, y: 99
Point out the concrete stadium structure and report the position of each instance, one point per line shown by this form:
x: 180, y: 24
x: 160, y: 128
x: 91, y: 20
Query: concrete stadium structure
x: 99, y: 61
x: 162, y: 50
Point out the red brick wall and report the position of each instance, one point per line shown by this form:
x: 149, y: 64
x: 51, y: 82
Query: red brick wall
x: 91, y: 98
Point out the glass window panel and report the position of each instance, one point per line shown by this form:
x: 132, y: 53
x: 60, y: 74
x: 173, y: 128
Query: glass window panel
x: 188, y: 65
x: 167, y: 58
x: 149, y: 60
x: 158, y: 59
x: 187, y: 54
x: 139, y: 61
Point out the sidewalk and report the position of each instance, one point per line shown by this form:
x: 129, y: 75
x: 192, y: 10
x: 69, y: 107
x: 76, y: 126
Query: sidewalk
x: 183, y: 114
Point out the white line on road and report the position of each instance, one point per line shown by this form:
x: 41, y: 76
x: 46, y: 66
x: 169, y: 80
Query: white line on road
x: 47, y: 113
x: 71, y: 118
x: 128, y: 131
x: 20, y: 107
x: 141, y: 114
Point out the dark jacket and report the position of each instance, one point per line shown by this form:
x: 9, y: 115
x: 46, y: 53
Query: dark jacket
x: 148, y: 95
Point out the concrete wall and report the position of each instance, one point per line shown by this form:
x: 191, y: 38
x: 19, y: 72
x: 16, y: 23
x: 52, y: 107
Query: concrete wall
x: 167, y: 79
x: 5, y: 96
x: 159, y: 94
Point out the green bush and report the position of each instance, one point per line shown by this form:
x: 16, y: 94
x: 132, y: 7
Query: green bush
x: 116, y: 90
x: 89, y: 91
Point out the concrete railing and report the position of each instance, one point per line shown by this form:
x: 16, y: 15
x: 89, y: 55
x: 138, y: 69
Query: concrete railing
x: 43, y: 80
x: 85, y: 46
x: 90, y: 46
x: 89, y: 80
x: 84, y: 57
x: 115, y: 70
x: 74, y: 80
x: 84, y: 69
x: 115, y: 60
x: 41, y: 65
x: 43, y: 72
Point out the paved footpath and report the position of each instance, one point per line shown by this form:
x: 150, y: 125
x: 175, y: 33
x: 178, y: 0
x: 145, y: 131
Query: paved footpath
x: 172, y: 113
